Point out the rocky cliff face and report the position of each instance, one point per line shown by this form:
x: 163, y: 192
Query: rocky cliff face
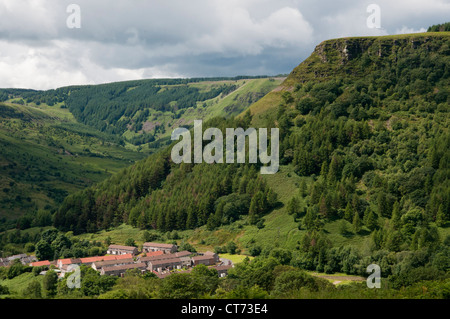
x: 347, y: 49
x: 352, y: 55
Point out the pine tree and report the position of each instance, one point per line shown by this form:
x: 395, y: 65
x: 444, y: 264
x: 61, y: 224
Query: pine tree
x: 370, y: 219
x: 434, y: 157
x: 253, y: 212
x: 293, y: 206
x: 356, y: 223
x: 395, y: 219
x: 440, y: 216
x: 382, y: 205
x: 191, y: 221
x: 303, y: 189
x: 271, y: 198
x: 211, y: 223
x: 343, y: 230
x: 308, y: 220
x: 348, y: 213
x: 333, y: 170
x: 324, y: 169
x: 324, y: 208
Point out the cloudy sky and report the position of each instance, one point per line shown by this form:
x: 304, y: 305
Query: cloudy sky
x: 135, y: 39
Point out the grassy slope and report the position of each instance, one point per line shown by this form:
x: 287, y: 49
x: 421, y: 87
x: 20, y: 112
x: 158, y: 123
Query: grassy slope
x: 19, y: 284
x: 44, y: 150
x: 279, y: 226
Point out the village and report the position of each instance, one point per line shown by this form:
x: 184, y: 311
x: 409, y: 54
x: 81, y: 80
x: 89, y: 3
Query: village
x: 157, y: 258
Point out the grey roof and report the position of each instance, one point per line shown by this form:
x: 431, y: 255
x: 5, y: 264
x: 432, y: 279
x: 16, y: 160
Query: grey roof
x: 166, y: 261
x: 106, y: 263
x: 159, y: 257
x: 124, y: 267
x: 159, y: 245
x: 183, y: 253
x: 210, y: 253
x: 202, y: 257
x: 122, y: 247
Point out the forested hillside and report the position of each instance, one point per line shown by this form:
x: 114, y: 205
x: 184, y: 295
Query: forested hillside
x: 56, y: 142
x: 364, y: 133
x: 141, y: 114
x: 158, y: 194
x: 368, y: 119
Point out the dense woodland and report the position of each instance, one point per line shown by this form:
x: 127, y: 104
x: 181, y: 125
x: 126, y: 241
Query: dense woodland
x: 158, y: 194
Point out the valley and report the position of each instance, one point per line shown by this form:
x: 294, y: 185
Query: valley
x: 363, y: 176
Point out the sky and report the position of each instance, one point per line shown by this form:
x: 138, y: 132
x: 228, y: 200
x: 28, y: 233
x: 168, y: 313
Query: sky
x: 46, y: 44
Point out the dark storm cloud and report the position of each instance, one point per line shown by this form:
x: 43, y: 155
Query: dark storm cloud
x: 130, y: 39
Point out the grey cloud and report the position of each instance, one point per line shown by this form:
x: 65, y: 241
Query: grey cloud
x: 125, y: 39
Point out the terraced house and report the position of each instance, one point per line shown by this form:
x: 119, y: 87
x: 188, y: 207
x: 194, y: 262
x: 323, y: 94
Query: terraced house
x: 166, y: 248
x: 122, y: 250
x: 120, y: 270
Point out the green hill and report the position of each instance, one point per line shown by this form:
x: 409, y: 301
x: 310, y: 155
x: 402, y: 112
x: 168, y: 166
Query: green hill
x: 57, y: 142
x: 364, y: 178
x: 141, y: 114
x: 365, y: 164
x: 46, y: 155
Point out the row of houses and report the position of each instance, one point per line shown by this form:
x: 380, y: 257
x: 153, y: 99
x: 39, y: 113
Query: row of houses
x: 222, y: 271
x: 161, y: 259
x: 158, y: 263
x: 115, y: 252
x: 163, y: 265
x: 146, y: 248
x: 63, y: 264
x: 24, y: 259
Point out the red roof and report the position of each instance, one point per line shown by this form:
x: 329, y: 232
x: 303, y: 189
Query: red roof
x: 154, y: 253
x: 126, y: 256
x: 104, y: 258
x: 40, y: 263
x: 66, y: 261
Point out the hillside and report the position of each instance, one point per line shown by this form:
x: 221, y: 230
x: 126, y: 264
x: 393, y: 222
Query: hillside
x: 366, y: 131
x: 364, y: 177
x: 141, y: 114
x: 46, y: 155
x: 57, y: 142
x: 364, y: 147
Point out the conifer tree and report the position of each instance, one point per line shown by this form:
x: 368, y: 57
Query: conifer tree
x: 440, y: 216
x: 356, y: 223
x: 395, y: 219
x: 370, y: 219
x: 348, y: 213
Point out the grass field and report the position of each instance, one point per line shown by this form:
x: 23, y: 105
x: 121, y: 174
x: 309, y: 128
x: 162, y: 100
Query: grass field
x: 19, y: 284
x: 337, y: 278
x: 235, y: 259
